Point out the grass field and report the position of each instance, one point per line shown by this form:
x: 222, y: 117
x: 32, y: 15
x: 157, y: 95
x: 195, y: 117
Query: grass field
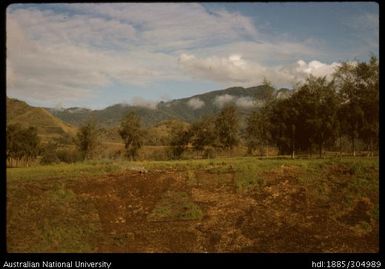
x: 219, y: 205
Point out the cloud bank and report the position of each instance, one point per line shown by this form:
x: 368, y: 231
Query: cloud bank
x: 222, y: 100
x: 141, y: 102
x: 195, y: 103
x: 243, y: 101
x: 73, y: 52
x: 234, y: 69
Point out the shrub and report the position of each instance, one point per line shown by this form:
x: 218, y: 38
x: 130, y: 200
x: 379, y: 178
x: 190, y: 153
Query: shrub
x: 69, y: 156
x: 49, y: 154
x: 209, y: 153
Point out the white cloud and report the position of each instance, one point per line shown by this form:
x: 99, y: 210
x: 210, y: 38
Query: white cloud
x: 245, y: 102
x: 76, y: 29
x: 46, y: 69
x: 235, y: 70
x: 300, y: 70
x: 230, y: 69
x: 242, y: 101
x: 175, y: 25
x: 283, y: 95
x: 139, y: 101
x: 195, y: 103
x: 224, y: 99
x: 76, y: 51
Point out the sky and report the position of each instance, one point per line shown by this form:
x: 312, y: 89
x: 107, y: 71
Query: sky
x: 96, y: 55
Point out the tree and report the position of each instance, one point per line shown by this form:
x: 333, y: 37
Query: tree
x: 180, y: 138
x: 283, y: 115
x: 22, y: 143
x: 308, y: 117
x: 266, y: 92
x: 368, y: 83
x: 49, y: 154
x: 358, y: 87
x: 226, y: 125
x: 319, y: 105
x: 203, y: 134
x: 86, y: 140
x: 132, y: 134
x: 257, y: 130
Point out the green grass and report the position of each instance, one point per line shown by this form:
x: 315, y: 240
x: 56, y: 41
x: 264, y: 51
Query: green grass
x: 175, y: 206
x: 55, y: 220
x: 246, y: 168
x: 45, y: 214
x: 64, y: 171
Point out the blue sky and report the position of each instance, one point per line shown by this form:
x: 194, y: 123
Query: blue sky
x: 95, y: 55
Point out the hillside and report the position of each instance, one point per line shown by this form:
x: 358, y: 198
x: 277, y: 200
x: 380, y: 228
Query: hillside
x: 48, y: 126
x: 185, y: 109
x: 111, y: 116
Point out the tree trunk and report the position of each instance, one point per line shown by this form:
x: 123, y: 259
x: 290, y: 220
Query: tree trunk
x: 371, y: 148
x: 353, y: 146
x: 320, y: 150
x: 262, y: 154
x: 292, y: 141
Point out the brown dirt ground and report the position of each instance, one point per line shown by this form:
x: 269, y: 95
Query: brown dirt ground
x: 282, y: 216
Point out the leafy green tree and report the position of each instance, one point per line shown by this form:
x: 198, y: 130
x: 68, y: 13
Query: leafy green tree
x: 132, y: 134
x: 226, y: 125
x: 87, y: 140
x: 203, y: 134
x: 318, y: 107
x: 308, y: 117
x: 352, y: 119
x: 22, y: 143
x: 283, y: 116
x: 257, y: 130
x: 180, y: 138
x: 368, y: 83
x: 358, y: 87
x: 49, y: 154
x: 266, y: 93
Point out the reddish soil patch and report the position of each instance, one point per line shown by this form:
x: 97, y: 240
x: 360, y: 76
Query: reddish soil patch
x: 280, y: 217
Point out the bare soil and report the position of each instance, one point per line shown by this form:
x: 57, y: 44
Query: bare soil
x: 282, y: 215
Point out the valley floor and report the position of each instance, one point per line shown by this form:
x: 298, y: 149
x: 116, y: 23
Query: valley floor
x: 220, y: 205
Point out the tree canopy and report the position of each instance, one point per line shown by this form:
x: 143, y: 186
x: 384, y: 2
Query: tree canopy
x: 132, y: 134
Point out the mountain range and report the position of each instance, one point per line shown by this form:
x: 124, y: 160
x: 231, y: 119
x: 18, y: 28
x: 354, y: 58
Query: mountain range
x: 185, y: 109
x: 54, y: 123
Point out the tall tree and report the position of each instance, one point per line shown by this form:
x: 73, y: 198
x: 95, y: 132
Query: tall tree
x: 284, y: 117
x: 368, y: 83
x: 203, y: 134
x: 86, y: 139
x: 132, y: 134
x: 257, y: 130
x: 319, y: 110
x: 358, y: 87
x: 266, y: 93
x: 226, y: 125
x: 180, y: 138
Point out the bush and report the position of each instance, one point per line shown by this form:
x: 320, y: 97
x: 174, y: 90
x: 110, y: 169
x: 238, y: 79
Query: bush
x: 159, y: 155
x: 68, y: 155
x: 209, y: 153
x: 49, y: 158
x: 49, y: 154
